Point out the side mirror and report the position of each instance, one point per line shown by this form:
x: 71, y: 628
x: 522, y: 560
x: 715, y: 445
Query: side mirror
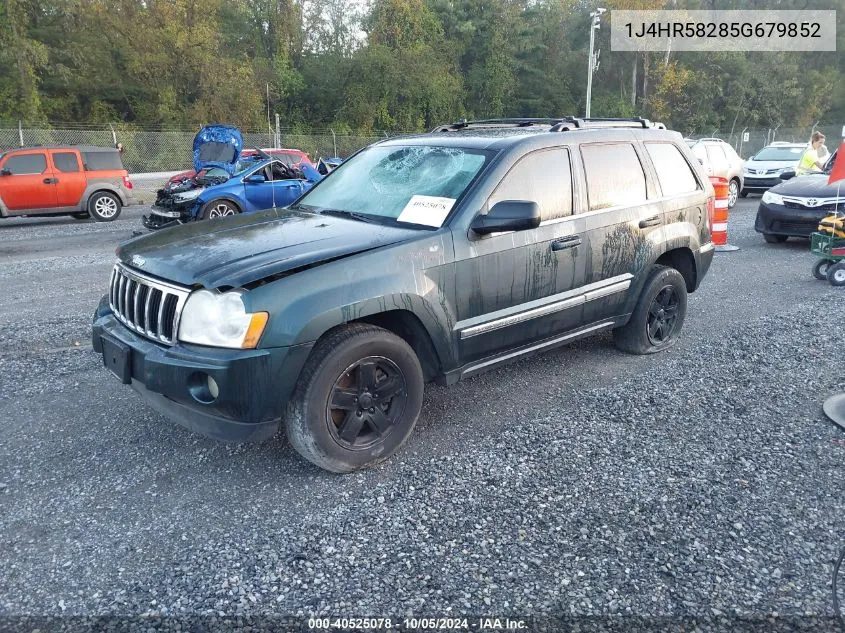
x: 786, y: 174
x: 255, y: 179
x: 508, y: 215
x: 5, y: 172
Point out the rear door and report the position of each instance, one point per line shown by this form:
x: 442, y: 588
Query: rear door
x: 624, y: 220
x: 26, y: 181
x: 69, y: 178
x: 523, y: 286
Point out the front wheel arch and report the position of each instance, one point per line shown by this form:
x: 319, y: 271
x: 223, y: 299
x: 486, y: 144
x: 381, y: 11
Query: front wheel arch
x: 206, y: 208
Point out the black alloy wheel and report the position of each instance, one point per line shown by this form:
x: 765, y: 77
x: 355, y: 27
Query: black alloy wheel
x: 366, y: 403
x: 663, y: 316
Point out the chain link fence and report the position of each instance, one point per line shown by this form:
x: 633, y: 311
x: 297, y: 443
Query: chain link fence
x: 148, y: 151
x: 748, y: 142
x: 165, y: 150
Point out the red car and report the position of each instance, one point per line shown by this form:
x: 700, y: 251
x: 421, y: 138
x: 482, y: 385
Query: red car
x: 287, y: 156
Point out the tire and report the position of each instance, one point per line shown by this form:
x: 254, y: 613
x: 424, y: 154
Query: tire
x: 346, y: 438
x: 653, y: 326
x: 743, y: 194
x: 80, y: 216
x: 104, y: 206
x: 775, y: 239
x: 820, y: 269
x: 733, y: 193
x: 836, y: 274
x: 219, y: 209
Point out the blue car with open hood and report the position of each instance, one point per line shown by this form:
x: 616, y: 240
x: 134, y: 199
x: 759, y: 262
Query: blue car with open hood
x: 227, y: 183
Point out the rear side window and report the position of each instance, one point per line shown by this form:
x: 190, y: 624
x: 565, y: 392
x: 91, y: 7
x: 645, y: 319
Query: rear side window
x: 102, y: 161
x: 717, y: 157
x: 65, y: 161
x: 26, y: 164
x: 544, y: 177
x: 615, y: 176
x: 673, y: 172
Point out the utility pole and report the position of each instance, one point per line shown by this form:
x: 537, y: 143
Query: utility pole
x: 595, y: 17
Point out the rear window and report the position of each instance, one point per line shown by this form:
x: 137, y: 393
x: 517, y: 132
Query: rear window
x: 288, y: 158
x: 217, y: 152
x: 673, y: 172
x: 615, y: 176
x: 65, y: 161
x: 26, y: 164
x: 102, y: 161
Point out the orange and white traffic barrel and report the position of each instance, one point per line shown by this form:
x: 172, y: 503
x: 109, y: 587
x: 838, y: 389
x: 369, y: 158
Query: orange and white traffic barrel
x: 719, y: 223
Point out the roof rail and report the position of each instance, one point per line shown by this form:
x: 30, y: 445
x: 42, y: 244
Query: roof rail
x: 709, y: 138
x: 558, y: 124
x: 515, y: 122
x: 578, y: 123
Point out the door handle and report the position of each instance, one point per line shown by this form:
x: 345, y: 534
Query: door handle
x: 652, y: 221
x: 567, y: 242
x: 51, y: 181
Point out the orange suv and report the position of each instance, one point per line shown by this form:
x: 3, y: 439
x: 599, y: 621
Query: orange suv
x: 80, y: 180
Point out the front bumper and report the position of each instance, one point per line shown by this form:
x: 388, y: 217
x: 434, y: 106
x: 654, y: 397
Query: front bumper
x: 776, y: 219
x: 253, y: 385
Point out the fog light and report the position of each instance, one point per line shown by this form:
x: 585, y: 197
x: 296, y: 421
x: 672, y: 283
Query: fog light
x: 203, y: 388
x: 212, y: 388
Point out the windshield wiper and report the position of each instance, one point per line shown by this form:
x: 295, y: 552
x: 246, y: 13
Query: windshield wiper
x: 350, y: 214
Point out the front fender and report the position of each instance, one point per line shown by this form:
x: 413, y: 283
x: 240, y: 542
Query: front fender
x: 416, y: 277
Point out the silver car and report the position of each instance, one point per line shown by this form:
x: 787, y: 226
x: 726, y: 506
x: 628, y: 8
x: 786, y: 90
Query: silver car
x: 720, y: 159
x: 763, y: 170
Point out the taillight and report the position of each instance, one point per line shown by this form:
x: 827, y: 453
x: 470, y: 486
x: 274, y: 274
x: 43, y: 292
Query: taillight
x: 711, y: 211
x: 127, y: 183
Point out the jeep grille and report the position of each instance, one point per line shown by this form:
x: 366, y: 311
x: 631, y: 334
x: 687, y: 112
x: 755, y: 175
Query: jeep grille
x: 145, y: 305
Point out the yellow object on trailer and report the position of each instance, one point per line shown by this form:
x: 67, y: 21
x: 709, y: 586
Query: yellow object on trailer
x: 833, y: 225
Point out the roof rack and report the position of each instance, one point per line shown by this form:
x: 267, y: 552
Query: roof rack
x: 558, y: 124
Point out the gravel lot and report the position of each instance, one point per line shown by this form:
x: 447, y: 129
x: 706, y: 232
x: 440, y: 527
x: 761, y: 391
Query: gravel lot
x: 701, y: 482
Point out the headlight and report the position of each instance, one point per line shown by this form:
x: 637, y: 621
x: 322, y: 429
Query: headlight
x: 220, y: 320
x: 772, y: 198
x: 187, y: 195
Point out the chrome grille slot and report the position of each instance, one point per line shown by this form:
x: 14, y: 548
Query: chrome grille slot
x: 146, y: 305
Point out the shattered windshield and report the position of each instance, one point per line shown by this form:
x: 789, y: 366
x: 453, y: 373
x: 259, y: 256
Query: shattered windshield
x: 409, y: 184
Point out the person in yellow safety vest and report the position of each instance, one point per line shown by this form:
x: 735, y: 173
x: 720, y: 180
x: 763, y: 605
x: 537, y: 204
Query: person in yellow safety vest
x: 810, y: 162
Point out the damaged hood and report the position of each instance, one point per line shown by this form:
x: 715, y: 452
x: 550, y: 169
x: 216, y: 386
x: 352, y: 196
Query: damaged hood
x: 218, y: 146
x: 235, y: 251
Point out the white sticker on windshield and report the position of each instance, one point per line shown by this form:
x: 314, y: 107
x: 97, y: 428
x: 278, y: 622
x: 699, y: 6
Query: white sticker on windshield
x: 426, y: 210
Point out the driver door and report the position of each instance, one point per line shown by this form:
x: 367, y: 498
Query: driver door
x: 275, y: 192
x: 519, y: 287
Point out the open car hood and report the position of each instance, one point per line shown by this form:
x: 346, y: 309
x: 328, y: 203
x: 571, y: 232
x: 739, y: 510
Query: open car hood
x: 235, y: 251
x: 218, y: 146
